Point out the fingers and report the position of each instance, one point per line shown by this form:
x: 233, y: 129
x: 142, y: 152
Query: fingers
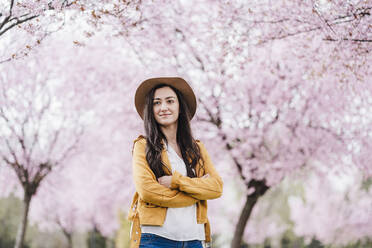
x: 161, y: 180
x: 165, y: 181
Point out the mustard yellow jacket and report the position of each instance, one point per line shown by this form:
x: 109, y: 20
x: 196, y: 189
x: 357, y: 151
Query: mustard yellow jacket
x: 151, y: 200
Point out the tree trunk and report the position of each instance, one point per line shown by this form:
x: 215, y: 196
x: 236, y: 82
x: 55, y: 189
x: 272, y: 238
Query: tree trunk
x: 69, y: 240
x: 242, y: 222
x: 68, y: 236
x: 23, y: 225
x: 251, y: 200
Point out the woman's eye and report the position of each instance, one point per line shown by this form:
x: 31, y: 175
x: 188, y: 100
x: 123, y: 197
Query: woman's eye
x: 156, y: 103
x: 170, y: 101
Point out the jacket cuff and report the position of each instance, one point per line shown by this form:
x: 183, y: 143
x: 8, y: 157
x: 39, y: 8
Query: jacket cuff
x: 175, y: 180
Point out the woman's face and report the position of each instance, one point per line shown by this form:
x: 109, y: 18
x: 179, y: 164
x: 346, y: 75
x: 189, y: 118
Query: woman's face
x: 166, y: 106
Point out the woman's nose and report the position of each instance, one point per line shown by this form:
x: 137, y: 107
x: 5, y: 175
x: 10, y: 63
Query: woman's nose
x: 163, y: 106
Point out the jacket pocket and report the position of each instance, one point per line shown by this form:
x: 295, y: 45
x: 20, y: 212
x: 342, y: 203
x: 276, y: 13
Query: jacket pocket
x: 150, y: 214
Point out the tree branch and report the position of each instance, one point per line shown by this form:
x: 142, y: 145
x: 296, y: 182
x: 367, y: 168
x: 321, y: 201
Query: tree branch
x: 360, y: 13
x: 9, y: 16
x: 202, y: 67
x: 19, y: 138
x: 18, y: 21
x: 346, y: 39
x: 70, y: 148
x: 323, y: 20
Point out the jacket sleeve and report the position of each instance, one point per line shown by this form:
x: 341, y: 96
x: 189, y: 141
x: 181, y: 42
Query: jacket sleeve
x: 200, y: 188
x: 149, y: 188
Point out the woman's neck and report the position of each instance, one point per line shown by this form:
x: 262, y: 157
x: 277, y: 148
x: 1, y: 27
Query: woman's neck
x: 170, y: 132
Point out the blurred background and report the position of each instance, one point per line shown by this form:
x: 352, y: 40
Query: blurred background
x: 284, y: 108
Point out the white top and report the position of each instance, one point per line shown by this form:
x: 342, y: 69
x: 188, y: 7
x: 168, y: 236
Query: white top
x: 180, y: 223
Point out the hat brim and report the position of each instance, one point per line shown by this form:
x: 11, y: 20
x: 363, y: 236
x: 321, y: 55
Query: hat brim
x: 179, y: 83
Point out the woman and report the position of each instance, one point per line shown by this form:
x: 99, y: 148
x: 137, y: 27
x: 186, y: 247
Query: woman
x: 173, y: 173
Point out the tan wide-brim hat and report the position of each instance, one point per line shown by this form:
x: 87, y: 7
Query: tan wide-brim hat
x: 179, y: 83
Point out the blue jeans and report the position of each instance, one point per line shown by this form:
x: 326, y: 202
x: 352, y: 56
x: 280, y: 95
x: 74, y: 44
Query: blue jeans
x: 149, y: 240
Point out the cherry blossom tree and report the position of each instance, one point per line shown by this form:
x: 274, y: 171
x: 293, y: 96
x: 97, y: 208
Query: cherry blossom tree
x: 91, y: 186
x: 38, y: 132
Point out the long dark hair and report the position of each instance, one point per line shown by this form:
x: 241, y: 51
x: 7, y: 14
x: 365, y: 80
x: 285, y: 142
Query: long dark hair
x: 154, y: 136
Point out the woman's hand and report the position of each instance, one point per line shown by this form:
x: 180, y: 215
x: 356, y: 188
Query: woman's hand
x: 165, y: 181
